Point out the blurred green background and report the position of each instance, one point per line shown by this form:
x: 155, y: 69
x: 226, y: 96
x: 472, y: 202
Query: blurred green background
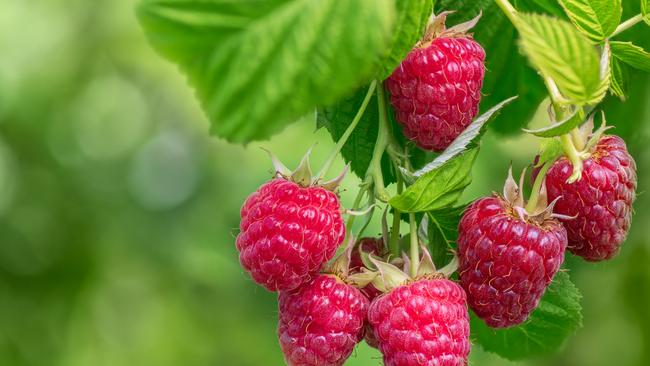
x: 118, y: 212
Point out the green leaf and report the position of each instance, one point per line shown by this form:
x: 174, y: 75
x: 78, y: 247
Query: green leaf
x: 258, y: 65
x: 645, y: 10
x: 550, y: 150
x: 632, y: 55
x: 618, y: 81
x: 468, y: 138
x: 438, y: 188
x: 442, y: 233
x: 540, y: 6
x: 557, y: 317
x: 412, y: 18
x: 357, y: 151
x: 559, y: 52
x: 558, y: 128
x: 596, y: 19
x: 502, y: 79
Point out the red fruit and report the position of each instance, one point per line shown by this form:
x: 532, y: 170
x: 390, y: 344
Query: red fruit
x: 321, y: 322
x: 424, y: 322
x: 287, y: 232
x: 506, y: 262
x: 436, y: 90
x: 601, y: 200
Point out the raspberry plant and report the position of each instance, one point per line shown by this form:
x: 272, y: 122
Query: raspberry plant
x: 399, y: 91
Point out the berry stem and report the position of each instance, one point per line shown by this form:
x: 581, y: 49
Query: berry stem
x: 574, y: 156
x: 508, y: 10
x: 627, y: 24
x: 393, y: 243
x: 348, y: 131
x: 537, y: 187
x: 414, y: 250
x: 355, y: 206
x: 374, y: 169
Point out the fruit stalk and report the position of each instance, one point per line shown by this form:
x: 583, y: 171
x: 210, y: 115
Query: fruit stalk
x: 374, y: 169
x: 508, y: 10
x: 414, y: 249
x: 348, y: 131
x: 537, y: 186
x: 393, y: 243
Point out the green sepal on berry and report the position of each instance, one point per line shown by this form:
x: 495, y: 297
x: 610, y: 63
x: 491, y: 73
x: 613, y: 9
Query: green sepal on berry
x: 303, y: 175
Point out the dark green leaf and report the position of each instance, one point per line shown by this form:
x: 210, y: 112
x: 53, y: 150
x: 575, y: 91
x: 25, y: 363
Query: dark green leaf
x: 557, y: 317
x: 632, y: 55
x: 597, y: 19
x: 412, y: 18
x: 257, y: 66
x: 442, y: 230
x: 357, y: 151
x: 438, y: 188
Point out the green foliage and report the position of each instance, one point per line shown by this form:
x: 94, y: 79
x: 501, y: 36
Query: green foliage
x: 618, y: 79
x: 358, y: 149
x: 467, y: 139
x: 632, y: 55
x: 645, y: 10
x: 561, y: 53
x: 550, y: 150
x: 442, y: 233
x: 438, y: 188
x: 558, y: 128
x: 507, y: 71
x: 259, y: 65
x: 412, y: 18
x: 596, y: 19
x: 557, y: 317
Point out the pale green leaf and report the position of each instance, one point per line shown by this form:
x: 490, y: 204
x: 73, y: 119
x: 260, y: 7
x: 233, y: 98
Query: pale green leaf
x: 561, y: 53
x: 618, y: 81
x: 438, y: 188
x: 597, y: 19
x: 632, y: 55
x: 557, y: 317
x: 645, y: 10
x: 557, y: 128
x: 257, y: 65
x: 412, y: 18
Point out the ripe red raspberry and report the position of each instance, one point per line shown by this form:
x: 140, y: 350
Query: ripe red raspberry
x: 287, y: 232
x: 321, y: 322
x: 601, y: 200
x: 506, y: 262
x: 424, y: 322
x: 436, y: 90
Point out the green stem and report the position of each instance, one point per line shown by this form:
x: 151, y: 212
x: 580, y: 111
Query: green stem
x: 348, y: 132
x: 537, y: 187
x: 508, y: 10
x: 627, y: 24
x: 374, y: 169
x: 355, y: 206
x: 414, y: 250
x: 573, y: 155
x: 393, y: 243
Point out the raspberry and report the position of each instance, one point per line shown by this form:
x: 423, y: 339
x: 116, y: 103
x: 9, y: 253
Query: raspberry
x: 287, y: 232
x: 436, y: 90
x: 506, y: 262
x: 424, y: 322
x: 601, y: 200
x: 321, y: 322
